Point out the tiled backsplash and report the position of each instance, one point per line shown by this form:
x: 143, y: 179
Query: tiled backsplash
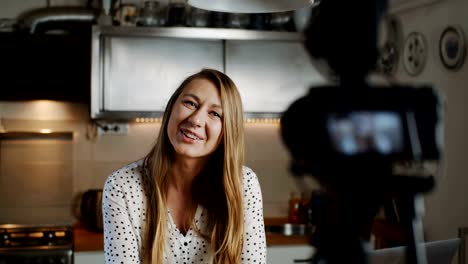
x: 42, y: 178
x: 36, y: 181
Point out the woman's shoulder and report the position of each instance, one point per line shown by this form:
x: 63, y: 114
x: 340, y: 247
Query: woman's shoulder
x: 248, y: 174
x: 246, y: 171
x: 252, y: 190
x: 129, y: 174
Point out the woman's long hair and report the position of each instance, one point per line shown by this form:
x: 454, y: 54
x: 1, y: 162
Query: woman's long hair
x: 222, y: 175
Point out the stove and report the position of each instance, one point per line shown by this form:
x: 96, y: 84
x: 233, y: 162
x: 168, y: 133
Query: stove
x: 36, y: 244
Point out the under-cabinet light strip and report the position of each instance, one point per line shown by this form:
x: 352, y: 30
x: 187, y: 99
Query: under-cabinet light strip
x: 262, y: 120
x: 247, y: 120
x: 148, y: 120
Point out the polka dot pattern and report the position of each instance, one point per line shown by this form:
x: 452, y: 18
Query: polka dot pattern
x: 124, y: 206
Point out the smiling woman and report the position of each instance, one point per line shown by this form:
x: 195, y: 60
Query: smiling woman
x: 190, y: 200
x: 195, y: 126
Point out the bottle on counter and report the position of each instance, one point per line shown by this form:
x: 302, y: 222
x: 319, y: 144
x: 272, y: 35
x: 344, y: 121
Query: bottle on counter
x: 299, y: 208
x: 305, y: 209
x: 294, y: 208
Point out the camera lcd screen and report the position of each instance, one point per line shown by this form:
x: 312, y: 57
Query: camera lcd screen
x: 362, y: 132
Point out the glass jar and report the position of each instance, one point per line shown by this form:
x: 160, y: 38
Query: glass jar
x: 198, y: 17
x: 176, y: 13
x: 149, y: 14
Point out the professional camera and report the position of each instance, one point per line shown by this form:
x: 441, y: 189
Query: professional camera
x: 335, y: 130
x: 351, y: 136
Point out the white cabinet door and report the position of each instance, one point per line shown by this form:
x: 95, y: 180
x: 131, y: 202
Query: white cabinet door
x: 287, y: 254
x: 89, y: 257
x: 270, y: 75
x: 141, y: 73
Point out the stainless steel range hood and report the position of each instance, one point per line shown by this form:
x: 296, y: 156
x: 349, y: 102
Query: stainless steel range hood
x: 135, y: 70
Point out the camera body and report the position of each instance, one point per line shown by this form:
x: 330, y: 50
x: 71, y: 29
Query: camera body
x: 337, y: 129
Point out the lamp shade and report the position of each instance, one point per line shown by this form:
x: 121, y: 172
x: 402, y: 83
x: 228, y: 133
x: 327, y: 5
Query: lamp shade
x: 250, y: 6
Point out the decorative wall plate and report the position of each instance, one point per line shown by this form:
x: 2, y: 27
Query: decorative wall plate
x: 414, y: 53
x: 452, y: 47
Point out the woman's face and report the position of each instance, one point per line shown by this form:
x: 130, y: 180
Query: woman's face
x: 195, y: 124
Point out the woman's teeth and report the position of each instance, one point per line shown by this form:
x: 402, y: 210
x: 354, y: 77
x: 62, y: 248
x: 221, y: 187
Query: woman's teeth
x: 190, y: 135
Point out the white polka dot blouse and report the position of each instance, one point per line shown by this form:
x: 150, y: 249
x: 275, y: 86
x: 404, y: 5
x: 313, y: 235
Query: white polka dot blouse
x: 124, y: 206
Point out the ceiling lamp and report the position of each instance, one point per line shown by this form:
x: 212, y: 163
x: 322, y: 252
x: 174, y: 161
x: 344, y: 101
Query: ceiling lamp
x: 250, y: 6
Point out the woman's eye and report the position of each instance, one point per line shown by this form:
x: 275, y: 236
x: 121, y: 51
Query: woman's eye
x: 216, y: 114
x: 190, y: 104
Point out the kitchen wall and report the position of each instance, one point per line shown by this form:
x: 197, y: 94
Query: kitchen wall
x: 68, y: 168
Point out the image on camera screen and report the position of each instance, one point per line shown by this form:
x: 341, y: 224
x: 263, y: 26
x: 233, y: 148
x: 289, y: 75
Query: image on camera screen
x: 362, y: 132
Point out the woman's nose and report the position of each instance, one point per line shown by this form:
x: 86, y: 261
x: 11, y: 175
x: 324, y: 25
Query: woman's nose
x: 196, y: 119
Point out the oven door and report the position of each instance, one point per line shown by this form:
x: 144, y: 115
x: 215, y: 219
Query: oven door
x: 17, y: 256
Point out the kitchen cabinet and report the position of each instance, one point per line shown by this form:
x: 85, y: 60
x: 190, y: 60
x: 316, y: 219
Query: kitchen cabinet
x: 140, y: 74
x: 289, y: 254
x: 89, y: 257
x: 135, y: 70
x: 47, y: 67
x: 270, y: 75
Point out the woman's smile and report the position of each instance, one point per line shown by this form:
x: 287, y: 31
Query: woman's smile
x: 189, y: 136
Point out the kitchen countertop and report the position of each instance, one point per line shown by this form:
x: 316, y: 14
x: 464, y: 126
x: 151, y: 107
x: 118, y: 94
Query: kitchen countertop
x: 85, y: 240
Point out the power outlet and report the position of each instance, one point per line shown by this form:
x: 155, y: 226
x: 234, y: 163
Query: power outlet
x: 112, y: 129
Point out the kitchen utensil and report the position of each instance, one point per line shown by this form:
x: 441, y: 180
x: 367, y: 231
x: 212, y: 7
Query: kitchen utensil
x: 91, y: 210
